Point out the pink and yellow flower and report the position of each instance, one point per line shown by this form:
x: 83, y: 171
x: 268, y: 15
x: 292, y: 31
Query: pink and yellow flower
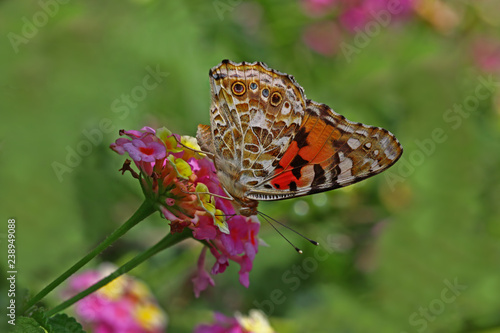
x: 181, y: 181
x: 123, y: 305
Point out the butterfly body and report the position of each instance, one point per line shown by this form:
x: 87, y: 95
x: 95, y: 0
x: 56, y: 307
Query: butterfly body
x: 271, y: 143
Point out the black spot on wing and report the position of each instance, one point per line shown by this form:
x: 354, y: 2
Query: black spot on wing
x: 293, y: 186
x: 297, y: 164
x: 301, y: 137
x: 298, y: 161
x: 296, y: 172
x: 319, y: 176
x: 336, y: 172
x: 326, y: 179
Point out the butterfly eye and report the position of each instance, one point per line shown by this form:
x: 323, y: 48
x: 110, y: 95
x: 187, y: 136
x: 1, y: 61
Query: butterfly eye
x: 253, y: 85
x: 238, y: 88
x: 276, y: 99
x: 265, y: 92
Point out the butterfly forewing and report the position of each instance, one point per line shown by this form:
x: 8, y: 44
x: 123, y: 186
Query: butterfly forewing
x: 258, y: 119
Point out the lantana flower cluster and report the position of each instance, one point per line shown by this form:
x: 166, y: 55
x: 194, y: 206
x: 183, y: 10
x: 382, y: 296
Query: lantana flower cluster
x: 256, y: 322
x: 123, y: 305
x: 182, y: 182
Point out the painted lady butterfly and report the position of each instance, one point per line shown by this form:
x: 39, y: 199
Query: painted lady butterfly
x: 268, y: 142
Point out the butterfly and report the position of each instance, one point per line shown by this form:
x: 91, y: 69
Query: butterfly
x: 268, y: 142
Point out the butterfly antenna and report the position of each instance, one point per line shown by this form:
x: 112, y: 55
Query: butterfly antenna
x: 284, y: 225
x: 272, y: 225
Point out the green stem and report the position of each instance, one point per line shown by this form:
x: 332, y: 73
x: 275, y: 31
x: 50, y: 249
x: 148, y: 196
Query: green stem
x: 166, y: 242
x: 146, y: 209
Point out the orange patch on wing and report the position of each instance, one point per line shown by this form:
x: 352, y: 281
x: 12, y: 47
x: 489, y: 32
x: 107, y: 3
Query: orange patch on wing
x: 318, y: 149
x: 282, y: 182
x: 321, y: 148
x: 289, y: 155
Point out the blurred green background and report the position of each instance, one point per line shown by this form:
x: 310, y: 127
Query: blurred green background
x: 396, y: 242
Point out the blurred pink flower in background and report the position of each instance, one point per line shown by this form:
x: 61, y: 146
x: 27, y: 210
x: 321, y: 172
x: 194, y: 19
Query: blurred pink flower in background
x: 357, y: 16
x: 323, y: 37
x: 318, y: 7
x: 256, y: 322
x: 486, y: 54
x: 181, y: 182
x: 123, y: 305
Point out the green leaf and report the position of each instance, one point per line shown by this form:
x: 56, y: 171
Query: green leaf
x: 27, y: 325
x: 62, y: 323
x: 41, y: 318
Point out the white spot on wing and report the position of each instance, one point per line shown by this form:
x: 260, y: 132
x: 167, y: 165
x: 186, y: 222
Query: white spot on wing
x: 391, y: 153
x: 286, y: 110
x: 353, y: 143
x: 362, y: 132
x: 345, y: 128
x: 345, y: 170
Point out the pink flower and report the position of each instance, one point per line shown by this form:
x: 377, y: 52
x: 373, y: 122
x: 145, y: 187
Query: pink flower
x: 202, y: 278
x: 318, y: 7
x: 164, y: 171
x: 323, y: 37
x: 123, y: 305
x: 486, y: 54
x: 181, y: 181
x: 147, y: 152
x: 240, y: 244
x: 354, y: 18
x: 256, y: 322
x: 381, y: 12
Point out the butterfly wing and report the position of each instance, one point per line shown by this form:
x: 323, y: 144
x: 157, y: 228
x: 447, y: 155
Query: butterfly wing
x: 255, y: 114
x: 328, y: 152
x: 270, y: 143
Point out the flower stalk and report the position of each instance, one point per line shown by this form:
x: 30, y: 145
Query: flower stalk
x: 146, y: 209
x: 164, y: 243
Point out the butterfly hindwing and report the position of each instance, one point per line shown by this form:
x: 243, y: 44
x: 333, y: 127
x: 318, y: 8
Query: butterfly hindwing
x: 328, y: 152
